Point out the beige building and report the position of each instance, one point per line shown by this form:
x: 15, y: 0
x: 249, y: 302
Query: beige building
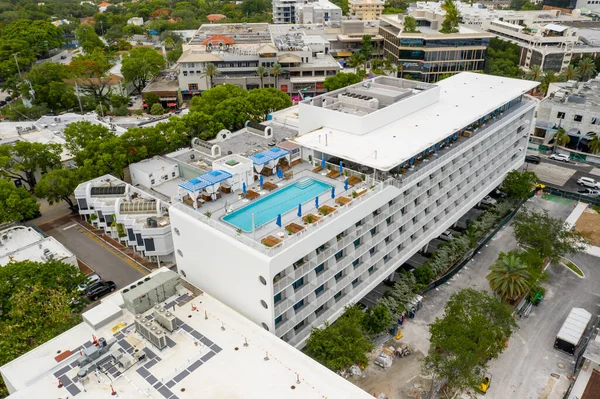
x: 366, y: 10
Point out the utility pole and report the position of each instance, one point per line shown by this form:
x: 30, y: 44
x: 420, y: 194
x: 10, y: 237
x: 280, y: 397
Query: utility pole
x: 78, y: 97
x: 17, y: 62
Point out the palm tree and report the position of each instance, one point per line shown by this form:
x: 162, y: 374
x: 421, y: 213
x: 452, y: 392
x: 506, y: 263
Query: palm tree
x: 261, y: 71
x: 587, y: 68
x: 594, y: 144
x: 549, y: 77
x: 356, y: 60
x: 210, y: 71
x: 277, y: 70
x: 509, y: 277
x: 561, y: 137
x: 571, y: 73
x: 169, y: 42
x: 452, y: 17
x: 535, y: 73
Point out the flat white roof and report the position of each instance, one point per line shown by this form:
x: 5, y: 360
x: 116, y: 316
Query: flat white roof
x: 575, y: 325
x: 22, y: 243
x: 206, y: 358
x: 464, y: 98
x: 152, y: 164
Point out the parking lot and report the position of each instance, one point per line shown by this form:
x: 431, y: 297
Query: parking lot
x: 525, y: 369
x: 563, y: 175
x: 105, y: 260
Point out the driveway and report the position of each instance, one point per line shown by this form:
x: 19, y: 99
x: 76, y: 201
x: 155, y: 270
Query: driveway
x: 109, y: 263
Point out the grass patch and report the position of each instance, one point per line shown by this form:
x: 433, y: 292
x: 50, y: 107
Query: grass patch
x: 572, y: 266
x: 596, y: 208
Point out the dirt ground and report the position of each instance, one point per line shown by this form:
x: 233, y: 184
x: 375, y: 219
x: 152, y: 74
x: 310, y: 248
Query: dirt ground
x: 396, y: 382
x: 588, y: 224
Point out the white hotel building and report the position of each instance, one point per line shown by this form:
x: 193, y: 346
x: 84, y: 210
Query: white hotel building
x: 429, y: 153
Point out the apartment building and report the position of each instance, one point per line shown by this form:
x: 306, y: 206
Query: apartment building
x: 427, y: 54
x: 575, y: 107
x: 164, y: 338
x: 306, y: 12
x: 305, y: 59
x: 129, y: 215
x: 366, y: 10
x: 373, y: 173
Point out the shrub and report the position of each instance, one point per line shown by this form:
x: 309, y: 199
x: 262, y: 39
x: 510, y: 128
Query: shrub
x: 157, y: 109
x: 121, y: 111
x: 423, y: 274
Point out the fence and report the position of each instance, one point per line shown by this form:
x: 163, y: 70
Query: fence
x: 573, y: 196
x: 467, y: 257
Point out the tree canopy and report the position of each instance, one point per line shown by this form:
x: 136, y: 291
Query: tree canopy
x: 39, y: 36
x: 519, y: 184
x: 16, y: 203
x: 473, y: 330
x: 546, y: 235
x: 23, y: 159
x: 341, y: 344
x: 140, y: 65
x: 502, y: 58
x: 339, y: 80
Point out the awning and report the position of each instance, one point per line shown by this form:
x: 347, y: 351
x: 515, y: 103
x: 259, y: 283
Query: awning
x: 289, y: 58
x: 307, y: 79
x: 556, y: 27
x: 216, y: 176
x: 171, y: 105
x: 196, y: 184
x: 260, y: 158
x: 343, y: 54
x: 277, y: 152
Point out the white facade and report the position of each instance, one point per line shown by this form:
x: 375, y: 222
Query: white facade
x: 311, y: 276
x: 21, y: 243
x: 129, y: 215
x: 153, y: 172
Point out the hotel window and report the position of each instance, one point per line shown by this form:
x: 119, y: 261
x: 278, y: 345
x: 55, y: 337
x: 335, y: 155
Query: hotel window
x: 357, y: 243
x: 389, y: 220
x: 355, y: 282
x: 193, y: 86
x: 319, y: 289
x: 337, y: 296
x: 338, y: 276
x: 319, y: 269
x: 299, y: 304
x: 299, y: 326
x: 277, y: 298
x: 560, y: 115
x: 184, y: 73
x: 578, y: 118
x: 278, y: 319
x: 319, y: 310
x: 372, y: 251
x: 298, y: 283
x: 356, y: 262
x: 359, y: 223
x: 339, y: 255
x: 371, y: 269
x: 373, y: 231
x: 320, y: 249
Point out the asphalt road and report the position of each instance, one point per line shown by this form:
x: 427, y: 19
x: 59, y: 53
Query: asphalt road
x: 563, y: 175
x: 110, y: 264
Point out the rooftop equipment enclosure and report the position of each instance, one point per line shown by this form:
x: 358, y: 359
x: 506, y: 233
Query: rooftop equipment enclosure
x: 572, y: 330
x: 147, y: 292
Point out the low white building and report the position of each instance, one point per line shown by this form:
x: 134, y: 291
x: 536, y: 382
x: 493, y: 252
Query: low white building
x: 137, y: 21
x: 194, y: 346
x: 128, y: 214
x: 21, y: 243
x: 153, y: 172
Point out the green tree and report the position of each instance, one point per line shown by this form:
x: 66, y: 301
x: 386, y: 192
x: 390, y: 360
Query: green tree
x: 423, y: 274
x: 209, y: 72
x: 341, y: 344
x: 23, y: 159
x: 570, y: 73
x: 535, y: 73
x: 587, y: 68
x: 265, y: 101
x: 366, y: 47
x: 47, y: 82
x: 140, y: 65
x: 40, y: 36
x: 509, y: 277
x: 16, y: 203
x: 15, y: 55
x: 518, y: 185
x: 261, y: 72
x: 377, y: 320
x: 88, y: 39
x: 210, y: 99
x: 59, y: 185
x: 150, y: 99
x: 473, y: 330
x: 548, y: 236
x: 89, y: 72
x: 410, y: 24
x: 502, y: 58
x: 174, y: 54
x: 339, y: 80
x: 548, y: 78
x: 156, y: 109
x: 594, y: 144
x: 561, y: 137
x: 81, y: 135
x: 452, y: 18
x: 399, y: 299
x: 277, y: 70
x: 356, y: 60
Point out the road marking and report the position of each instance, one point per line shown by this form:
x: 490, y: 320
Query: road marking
x: 113, y: 250
x: 70, y: 227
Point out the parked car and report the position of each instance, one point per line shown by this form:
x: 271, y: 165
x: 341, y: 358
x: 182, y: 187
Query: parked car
x: 560, y: 157
x: 487, y: 200
x: 91, y: 280
x: 590, y: 192
x: 588, y: 182
x: 446, y: 236
x: 63, y: 57
x: 498, y: 194
x: 8, y: 99
x: 99, y: 289
x: 2, y: 103
x: 533, y: 159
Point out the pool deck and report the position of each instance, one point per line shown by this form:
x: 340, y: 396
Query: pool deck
x: 231, y: 202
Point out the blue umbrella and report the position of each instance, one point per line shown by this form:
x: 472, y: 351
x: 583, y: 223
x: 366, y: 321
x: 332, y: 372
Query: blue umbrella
x: 244, y: 187
x: 323, y: 163
x: 278, y: 221
x: 346, y: 184
x: 299, y: 210
x: 332, y: 192
x: 260, y: 181
x: 316, y: 202
x: 279, y: 173
x: 341, y: 168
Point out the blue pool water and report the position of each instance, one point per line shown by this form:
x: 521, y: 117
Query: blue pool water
x: 267, y: 208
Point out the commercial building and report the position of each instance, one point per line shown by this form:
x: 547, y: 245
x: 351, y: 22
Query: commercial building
x: 373, y: 172
x: 306, y: 12
x: 21, y: 243
x: 427, y: 54
x: 129, y: 214
x: 305, y: 59
x: 366, y: 10
x: 163, y: 338
x: 575, y: 107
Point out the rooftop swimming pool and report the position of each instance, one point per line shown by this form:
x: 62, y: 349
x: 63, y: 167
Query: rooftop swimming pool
x: 267, y: 208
